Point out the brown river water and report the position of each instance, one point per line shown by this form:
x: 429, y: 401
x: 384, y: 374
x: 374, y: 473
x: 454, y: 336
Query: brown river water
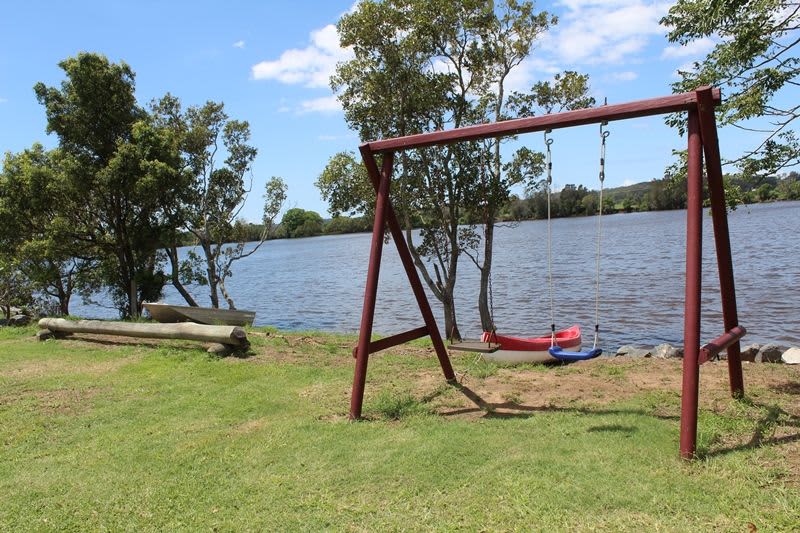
x: 318, y: 283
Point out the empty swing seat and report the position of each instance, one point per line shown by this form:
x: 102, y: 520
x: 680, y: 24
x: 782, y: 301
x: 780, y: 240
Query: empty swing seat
x: 564, y: 355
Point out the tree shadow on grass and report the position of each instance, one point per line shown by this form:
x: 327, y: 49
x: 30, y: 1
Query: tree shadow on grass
x: 763, y: 432
x: 790, y: 387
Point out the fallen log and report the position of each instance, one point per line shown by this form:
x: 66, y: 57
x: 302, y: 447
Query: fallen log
x: 229, y: 335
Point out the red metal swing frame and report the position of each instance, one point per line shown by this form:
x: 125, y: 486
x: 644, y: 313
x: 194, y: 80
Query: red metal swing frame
x: 702, y: 140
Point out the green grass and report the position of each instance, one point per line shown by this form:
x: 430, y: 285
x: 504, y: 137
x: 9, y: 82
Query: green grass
x: 104, y: 436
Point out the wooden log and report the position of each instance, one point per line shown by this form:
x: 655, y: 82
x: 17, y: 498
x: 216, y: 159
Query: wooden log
x: 231, y: 335
x: 44, y: 334
x: 221, y: 350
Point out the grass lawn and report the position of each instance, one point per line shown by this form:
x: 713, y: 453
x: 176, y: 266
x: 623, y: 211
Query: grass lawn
x: 114, y: 434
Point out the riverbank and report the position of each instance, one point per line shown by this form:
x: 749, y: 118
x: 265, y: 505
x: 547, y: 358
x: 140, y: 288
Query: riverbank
x: 115, y: 433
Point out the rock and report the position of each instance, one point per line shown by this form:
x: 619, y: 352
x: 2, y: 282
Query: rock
x: 667, y: 351
x: 770, y: 353
x: 634, y: 351
x: 220, y: 349
x: 19, y: 320
x: 749, y: 352
x: 44, y: 334
x: 791, y: 356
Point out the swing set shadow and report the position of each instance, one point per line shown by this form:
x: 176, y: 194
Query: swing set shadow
x: 763, y: 428
x: 703, y: 143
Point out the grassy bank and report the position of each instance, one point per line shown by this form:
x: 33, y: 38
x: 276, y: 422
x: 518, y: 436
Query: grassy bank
x: 112, y: 434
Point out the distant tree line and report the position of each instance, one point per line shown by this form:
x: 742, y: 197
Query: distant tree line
x: 656, y: 195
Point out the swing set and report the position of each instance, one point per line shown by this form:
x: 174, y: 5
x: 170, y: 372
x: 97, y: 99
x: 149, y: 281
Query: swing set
x: 702, y: 141
x: 564, y: 345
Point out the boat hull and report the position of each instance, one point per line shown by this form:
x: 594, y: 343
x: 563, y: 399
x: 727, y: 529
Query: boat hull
x: 167, y: 314
x: 515, y: 350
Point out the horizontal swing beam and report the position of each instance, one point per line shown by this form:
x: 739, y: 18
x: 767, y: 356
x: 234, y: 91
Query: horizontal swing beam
x: 607, y: 113
x: 723, y: 342
x: 394, y: 340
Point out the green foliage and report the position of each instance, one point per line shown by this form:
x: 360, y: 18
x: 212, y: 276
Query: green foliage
x: 568, y: 91
x: 31, y: 209
x: 16, y: 289
x: 343, y: 224
x: 753, y: 61
x: 390, y: 90
x: 117, y: 175
x: 298, y: 222
x: 214, y: 157
x: 345, y: 185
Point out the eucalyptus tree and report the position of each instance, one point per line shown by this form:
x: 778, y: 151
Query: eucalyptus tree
x: 423, y: 65
x: 216, y: 160
x: 398, y: 84
x: 505, y: 41
x: 754, y: 59
x: 118, y: 172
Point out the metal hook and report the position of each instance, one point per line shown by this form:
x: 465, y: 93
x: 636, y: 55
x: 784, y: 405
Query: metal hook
x: 604, y: 132
x: 547, y: 140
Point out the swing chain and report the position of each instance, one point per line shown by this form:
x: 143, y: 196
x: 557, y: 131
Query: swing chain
x: 549, y: 141
x: 604, y: 133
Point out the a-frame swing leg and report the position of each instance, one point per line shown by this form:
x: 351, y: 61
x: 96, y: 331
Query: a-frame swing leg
x: 722, y: 241
x: 384, y: 214
x: 703, y: 140
x: 691, y: 317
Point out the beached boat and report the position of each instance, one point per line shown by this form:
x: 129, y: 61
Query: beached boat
x: 168, y: 313
x: 531, y: 350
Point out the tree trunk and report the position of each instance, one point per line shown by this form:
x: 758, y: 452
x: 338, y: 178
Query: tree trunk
x: 484, y: 307
x: 134, y: 300
x: 63, y: 300
x: 172, y: 253
x: 450, y: 322
x: 211, y: 274
x: 443, y: 293
x: 226, y: 295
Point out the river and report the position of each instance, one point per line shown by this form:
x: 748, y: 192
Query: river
x: 318, y: 283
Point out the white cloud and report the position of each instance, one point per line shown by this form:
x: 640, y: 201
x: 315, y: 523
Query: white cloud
x: 694, y: 49
x: 627, y: 75
x: 601, y: 31
x: 238, y: 44
x: 325, y: 104
x: 686, y: 67
x: 335, y: 137
x: 311, y: 66
x: 627, y: 183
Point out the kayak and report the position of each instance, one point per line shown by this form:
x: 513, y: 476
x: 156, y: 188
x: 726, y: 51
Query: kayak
x: 534, y: 349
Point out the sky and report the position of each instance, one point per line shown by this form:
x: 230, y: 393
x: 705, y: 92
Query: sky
x: 270, y: 61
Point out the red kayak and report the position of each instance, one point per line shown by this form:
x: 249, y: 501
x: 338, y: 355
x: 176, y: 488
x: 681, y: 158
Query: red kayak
x: 531, y: 350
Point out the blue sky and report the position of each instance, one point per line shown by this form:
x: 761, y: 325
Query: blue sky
x: 269, y: 63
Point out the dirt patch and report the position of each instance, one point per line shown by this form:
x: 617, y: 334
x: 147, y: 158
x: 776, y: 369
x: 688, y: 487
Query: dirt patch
x: 602, y: 381
x: 250, y: 426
